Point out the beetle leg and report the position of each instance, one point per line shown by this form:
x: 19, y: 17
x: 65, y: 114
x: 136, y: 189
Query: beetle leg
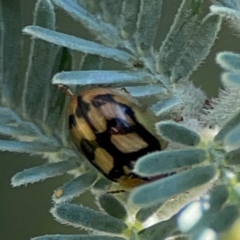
x: 65, y: 89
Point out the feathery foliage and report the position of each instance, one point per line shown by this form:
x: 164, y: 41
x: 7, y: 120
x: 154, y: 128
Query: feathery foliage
x: 196, y: 193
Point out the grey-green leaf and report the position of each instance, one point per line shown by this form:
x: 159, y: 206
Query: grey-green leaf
x: 111, y: 11
x: 229, y: 125
x: 168, y: 161
x: 39, y: 69
x: 74, y: 188
x: 232, y: 139
x: 177, y: 133
x: 218, y: 197
x: 219, y: 216
x: 165, y: 105
x: 102, y: 184
x: 147, y: 23
x: 230, y: 13
x: 8, y: 116
x: 43, y: 172
x: 23, y: 130
x: 144, y: 213
x: 233, y: 157
x: 161, y: 190
x: 197, y: 215
x: 79, y: 44
x: 101, y: 77
x: 78, y: 216
x: 147, y: 90
x: 176, y: 40
x: 230, y: 79
x: 159, y: 231
x: 112, y: 206
x: 106, y: 32
x: 223, y: 219
x: 10, y: 50
x: 91, y: 62
x: 77, y: 237
x: 229, y: 61
x: 198, y: 48
x: 128, y: 18
x: 27, y: 147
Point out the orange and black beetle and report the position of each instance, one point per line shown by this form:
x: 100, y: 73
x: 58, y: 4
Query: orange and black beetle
x: 112, y: 129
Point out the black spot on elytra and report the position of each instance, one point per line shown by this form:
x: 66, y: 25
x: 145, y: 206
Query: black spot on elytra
x: 82, y: 107
x: 153, y: 143
x: 120, y: 125
x: 71, y: 121
x: 115, y: 173
x: 88, y: 149
x: 100, y: 100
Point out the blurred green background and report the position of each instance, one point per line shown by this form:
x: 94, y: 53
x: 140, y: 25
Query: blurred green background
x: 24, y: 211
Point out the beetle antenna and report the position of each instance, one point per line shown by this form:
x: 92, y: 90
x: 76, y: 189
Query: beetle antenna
x: 123, y: 89
x: 117, y: 191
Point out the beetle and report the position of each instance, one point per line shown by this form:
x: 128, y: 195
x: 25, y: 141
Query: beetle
x: 112, y: 130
